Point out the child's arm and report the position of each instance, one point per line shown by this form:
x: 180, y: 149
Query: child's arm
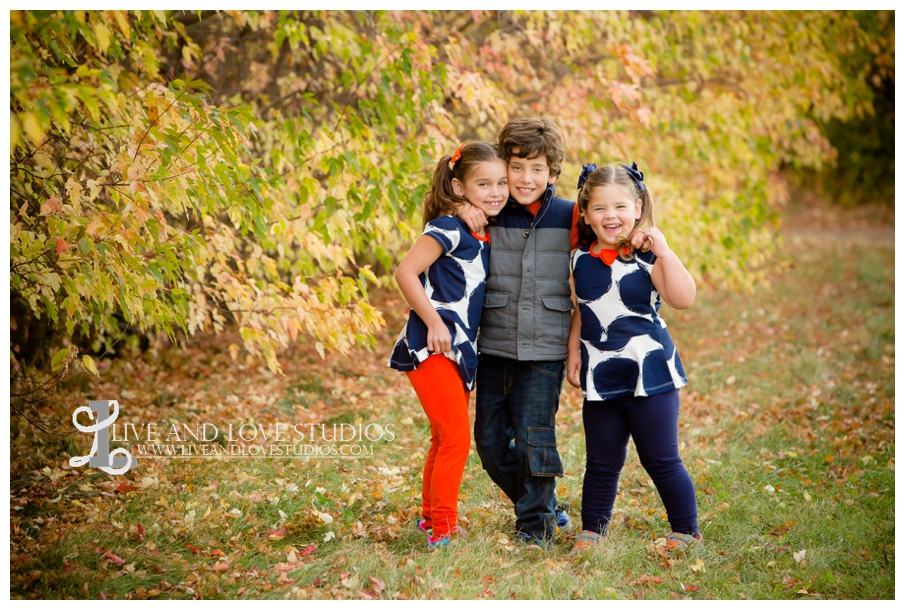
x: 573, y: 364
x: 669, y: 275
x: 422, y: 255
x: 473, y: 216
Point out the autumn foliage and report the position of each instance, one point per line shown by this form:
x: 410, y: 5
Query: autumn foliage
x: 176, y: 172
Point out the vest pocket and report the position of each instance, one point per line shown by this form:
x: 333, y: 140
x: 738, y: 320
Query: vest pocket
x: 555, y: 329
x: 556, y: 303
x: 543, y: 458
x: 493, y: 300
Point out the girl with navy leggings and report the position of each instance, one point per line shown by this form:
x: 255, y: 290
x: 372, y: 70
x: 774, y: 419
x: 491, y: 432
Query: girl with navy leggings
x: 621, y: 354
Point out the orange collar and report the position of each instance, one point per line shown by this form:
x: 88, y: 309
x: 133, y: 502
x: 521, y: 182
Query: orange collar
x: 607, y: 255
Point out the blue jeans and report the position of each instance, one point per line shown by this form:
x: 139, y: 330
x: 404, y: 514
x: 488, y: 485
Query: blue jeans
x: 519, y: 400
x: 652, y: 422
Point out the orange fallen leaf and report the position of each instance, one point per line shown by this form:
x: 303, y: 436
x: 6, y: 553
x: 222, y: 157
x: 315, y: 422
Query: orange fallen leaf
x: 194, y: 550
x: 220, y: 566
x: 115, y: 558
x: 124, y: 487
x: 217, y: 553
x: 647, y: 579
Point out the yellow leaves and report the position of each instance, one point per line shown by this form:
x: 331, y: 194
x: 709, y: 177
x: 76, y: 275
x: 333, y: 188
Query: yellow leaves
x: 90, y: 366
x: 32, y: 127
x: 15, y: 133
x: 123, y: 22
x: 153, y: 111
x: 102, y: 35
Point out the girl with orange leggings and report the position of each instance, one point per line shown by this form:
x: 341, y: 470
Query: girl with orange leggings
x: 442, y: 278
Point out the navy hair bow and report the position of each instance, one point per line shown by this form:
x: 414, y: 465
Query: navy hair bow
x: 636, y: 175
x: 585, y: 172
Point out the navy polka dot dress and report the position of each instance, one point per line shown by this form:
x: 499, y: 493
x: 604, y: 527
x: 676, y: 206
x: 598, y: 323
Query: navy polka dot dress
x: 625, y: 347
x: 455, y: 286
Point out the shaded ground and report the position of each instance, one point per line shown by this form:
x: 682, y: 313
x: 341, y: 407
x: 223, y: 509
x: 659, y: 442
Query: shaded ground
x: 787, y: 429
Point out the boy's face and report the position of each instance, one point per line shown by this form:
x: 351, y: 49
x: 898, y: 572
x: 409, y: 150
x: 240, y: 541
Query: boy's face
x: 528, y: 178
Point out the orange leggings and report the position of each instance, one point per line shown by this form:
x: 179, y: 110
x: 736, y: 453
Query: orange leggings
x: 445, y: 401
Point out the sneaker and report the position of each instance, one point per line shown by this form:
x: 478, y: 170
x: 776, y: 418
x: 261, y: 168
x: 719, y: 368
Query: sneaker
x: 680, y: 542
x: 585, y: 540
x: 438, y: 542
x: 563, y: 523
x: 457, y: 529
x: 532, y: 543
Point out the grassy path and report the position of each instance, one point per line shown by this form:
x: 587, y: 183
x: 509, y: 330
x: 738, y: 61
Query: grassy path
x: 787, y: 429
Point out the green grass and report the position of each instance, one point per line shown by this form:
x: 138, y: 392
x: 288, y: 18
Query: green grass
x: 787, y: 429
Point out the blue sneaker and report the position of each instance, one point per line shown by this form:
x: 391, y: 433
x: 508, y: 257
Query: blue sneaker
x: 436, y: 543
x: 563, y: 523
x: 532, y: 543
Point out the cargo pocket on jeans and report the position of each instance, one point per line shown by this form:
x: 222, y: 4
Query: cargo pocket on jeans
x: 543, y: 458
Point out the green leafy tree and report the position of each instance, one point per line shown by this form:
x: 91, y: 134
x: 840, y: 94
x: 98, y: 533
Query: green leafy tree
x: 178, y: 172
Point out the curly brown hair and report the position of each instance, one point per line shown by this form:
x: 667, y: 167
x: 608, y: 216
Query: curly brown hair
x: 530, y: 138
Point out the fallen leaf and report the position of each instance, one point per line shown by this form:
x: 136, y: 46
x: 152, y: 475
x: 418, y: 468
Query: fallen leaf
x: 378, y: 584
x: 311, y: 548
x: 220, y: 566
x: 277, y: 534
x: 115, y: 558
x: 325, y: 517
x: 697, y: 565
x: 124, y: 486
x: 647, y: 579
x: 193, y: 549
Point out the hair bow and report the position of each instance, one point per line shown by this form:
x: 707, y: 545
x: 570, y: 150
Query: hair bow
x: 636, y: 175
x: 586, y: 171
x: 456, y: 155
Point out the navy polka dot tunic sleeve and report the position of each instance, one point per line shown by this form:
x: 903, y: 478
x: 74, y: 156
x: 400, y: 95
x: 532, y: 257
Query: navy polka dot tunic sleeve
x: 455, y: 286
x: 625, y: 347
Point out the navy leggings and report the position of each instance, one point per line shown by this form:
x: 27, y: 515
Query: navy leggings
x: 653, y: 423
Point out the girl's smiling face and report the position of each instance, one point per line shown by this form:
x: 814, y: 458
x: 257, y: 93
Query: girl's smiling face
x: 611, y: 213
x: 486, y: 187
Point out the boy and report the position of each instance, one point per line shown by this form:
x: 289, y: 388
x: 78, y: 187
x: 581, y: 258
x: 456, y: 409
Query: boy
x: 525, y: 329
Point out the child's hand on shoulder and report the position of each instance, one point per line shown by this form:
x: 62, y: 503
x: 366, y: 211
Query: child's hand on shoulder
x: 473, y: 216
x: 651, y: 240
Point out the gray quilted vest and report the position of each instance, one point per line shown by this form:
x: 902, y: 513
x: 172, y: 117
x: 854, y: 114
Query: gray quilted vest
x: 528, y: 301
